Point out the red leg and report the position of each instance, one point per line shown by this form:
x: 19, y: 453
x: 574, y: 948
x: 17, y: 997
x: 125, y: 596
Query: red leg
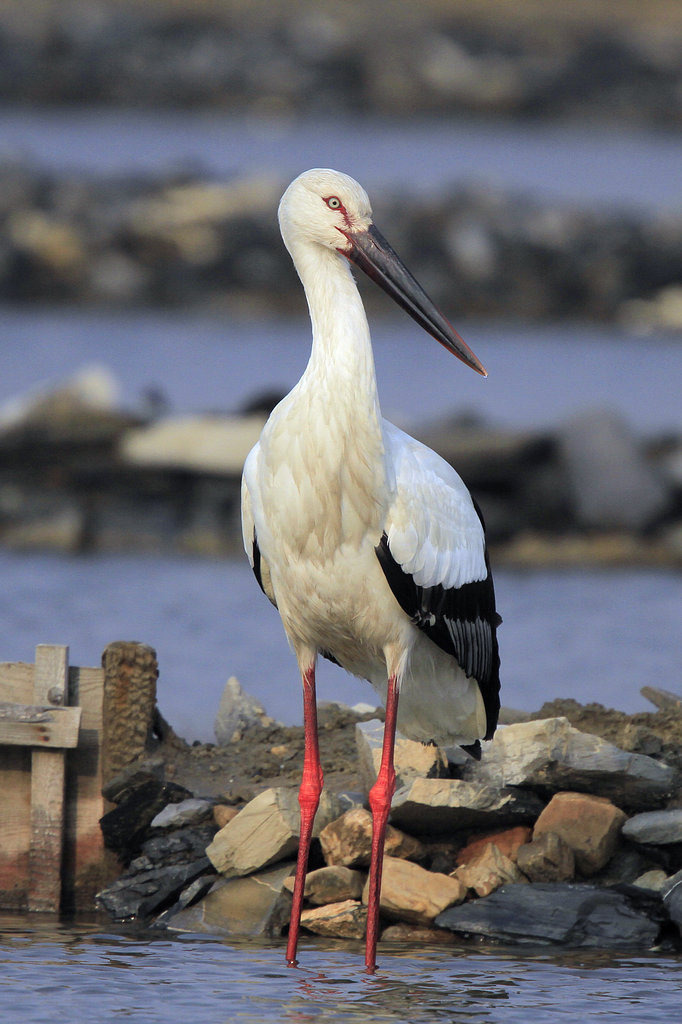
x: 308, y: 798
x: 380, y: 797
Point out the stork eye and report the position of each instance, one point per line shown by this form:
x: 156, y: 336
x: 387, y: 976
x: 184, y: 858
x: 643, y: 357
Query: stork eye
x: 334, y: 203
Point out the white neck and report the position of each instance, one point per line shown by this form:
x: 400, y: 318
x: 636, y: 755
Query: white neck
x: 341, y: 360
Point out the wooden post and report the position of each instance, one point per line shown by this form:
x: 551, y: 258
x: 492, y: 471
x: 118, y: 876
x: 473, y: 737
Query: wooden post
x: 130, y: 674
x: 50, y: 686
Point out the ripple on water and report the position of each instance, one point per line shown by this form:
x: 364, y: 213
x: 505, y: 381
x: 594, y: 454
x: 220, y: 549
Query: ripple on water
x: 103, y: 976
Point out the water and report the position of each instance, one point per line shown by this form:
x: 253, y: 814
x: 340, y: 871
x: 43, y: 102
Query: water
x: 577, y: 163
x: 538, y: 374
x: 590, y: 635
x: 82, y: 973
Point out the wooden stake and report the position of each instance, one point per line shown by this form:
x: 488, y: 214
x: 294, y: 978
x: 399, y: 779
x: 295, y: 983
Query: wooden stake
x: 51, y: 682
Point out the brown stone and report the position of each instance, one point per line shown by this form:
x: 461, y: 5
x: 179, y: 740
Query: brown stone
x: 348, y: 840
x: 411, y: 893
x: 346, y: 920
x: 488, y: 871
x: 507, y: 842
x: 222, y: 813
x: 333, y: 884
x: 547, y: 859
x: 418, y: 935
x: 590, y: 825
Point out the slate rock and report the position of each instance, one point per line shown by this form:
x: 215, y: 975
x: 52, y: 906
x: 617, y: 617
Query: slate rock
x: 257, y: 905
x: 187, y: 812
x: 441, y: 806
x: 672, y: 899
x: 656, y: 827
x: 125, y: 826
x: 550, y: 753
x: 144, y: 893
x: 556, y: 913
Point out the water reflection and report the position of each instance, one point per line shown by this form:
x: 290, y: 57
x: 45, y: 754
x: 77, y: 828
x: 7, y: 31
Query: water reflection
x: 104, y: 974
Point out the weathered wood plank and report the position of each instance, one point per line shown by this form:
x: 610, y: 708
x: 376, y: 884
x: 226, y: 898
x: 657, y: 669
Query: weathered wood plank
x: 39, y: 726
x: 50, y: 684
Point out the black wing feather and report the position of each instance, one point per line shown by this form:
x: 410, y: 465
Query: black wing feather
x: 461, y: 620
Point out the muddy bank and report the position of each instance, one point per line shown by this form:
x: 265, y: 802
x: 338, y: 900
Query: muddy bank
x: 595, y: 61
x: 189, y: 240
x: 78, y: 473
x: 273, y: 755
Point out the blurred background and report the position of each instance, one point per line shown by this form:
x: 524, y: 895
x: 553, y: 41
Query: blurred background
x: 525, y: 159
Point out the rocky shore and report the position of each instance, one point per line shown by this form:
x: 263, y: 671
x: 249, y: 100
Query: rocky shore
x: 79, y: 473
x: 596, y: 61
x: 186, y: 239
x: 568, y: 832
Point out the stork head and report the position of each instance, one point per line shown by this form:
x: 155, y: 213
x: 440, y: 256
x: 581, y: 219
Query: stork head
x: 332, y: 210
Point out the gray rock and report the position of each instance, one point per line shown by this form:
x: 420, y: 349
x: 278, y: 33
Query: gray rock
x: 143, y: 893
x: 672, y: 898
x: 551, y: 753
x: 440, y: 806
x: 255, y: 906
x: 188, y: 812
x: 237, y: 712
x: 611, y: 483
x: 656, y: 827
x: 556, y: 913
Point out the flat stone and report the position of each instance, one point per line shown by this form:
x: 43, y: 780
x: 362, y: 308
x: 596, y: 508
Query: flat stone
x: 143, y: 893
x: 547, y: 859
x: 551, y: 753
x: 657, y: 828
x: 416, y: 935
x: 441, y: 806
x: 488, y: 871
x: 265, y: 831
x: 333, y: 884
x: 590, y: 825
x: 187, y: 812
x: 412, y: 760
x: 507, y: 842
x: 255, y: 906
x: 345, y: 920
x: 347, y: 841
x: 411, y: 893
x: 556, y: 913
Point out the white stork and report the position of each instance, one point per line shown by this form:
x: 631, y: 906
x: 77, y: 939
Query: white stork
x: 367, y: 542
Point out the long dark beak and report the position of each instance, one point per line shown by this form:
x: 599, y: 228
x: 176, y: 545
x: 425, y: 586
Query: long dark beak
x: 371, y: 252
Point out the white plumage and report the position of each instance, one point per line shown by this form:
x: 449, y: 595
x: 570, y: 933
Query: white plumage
x: 366, y: 541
